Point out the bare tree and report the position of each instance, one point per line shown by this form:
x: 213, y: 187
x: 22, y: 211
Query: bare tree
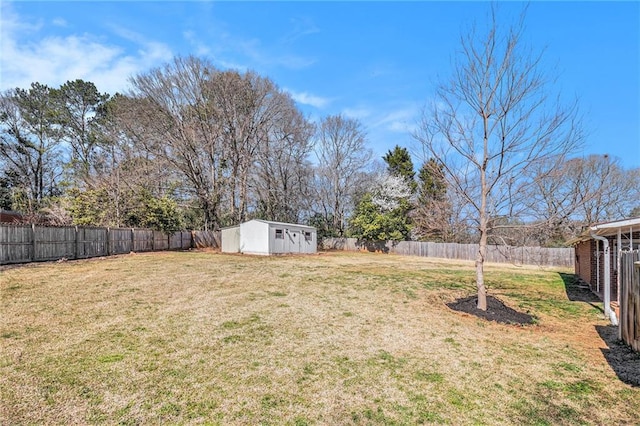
x: 170, y: 116
x: 582, y: 191
x: 233, y: 136
x: 252, y: 114
x: 491, y: 124
x: 342, y: 159
x: 283, y: 174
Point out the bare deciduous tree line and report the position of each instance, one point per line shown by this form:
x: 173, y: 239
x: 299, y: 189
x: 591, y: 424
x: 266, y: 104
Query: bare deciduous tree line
x: 192, y: 145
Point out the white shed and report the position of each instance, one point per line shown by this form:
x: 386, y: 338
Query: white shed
x: 266, y: 237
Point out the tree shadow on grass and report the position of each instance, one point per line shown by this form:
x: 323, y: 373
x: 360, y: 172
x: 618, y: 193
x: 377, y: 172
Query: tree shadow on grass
x: 624, y: 361
x: 577, y: 291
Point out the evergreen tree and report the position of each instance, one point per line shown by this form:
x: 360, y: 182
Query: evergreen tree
x: 433, y: 213
x: 433, y: 185
x: 399, y: 164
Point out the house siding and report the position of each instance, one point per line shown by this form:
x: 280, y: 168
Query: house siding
x: 584, y: 259
x: 588, y: 263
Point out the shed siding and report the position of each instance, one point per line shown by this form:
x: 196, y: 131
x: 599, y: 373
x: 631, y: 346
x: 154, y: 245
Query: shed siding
x: 254, y: 237
x: 259, y: 237
x: 231, y: 240
x: 294, y: 240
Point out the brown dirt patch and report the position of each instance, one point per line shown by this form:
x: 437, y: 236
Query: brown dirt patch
x: 496, y: 310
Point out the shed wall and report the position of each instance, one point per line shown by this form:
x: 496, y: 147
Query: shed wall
x: 254, y: 237
x: 231, y: 240
x: 296, y: 239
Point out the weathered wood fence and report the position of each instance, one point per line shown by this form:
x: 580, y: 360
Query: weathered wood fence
x: 540, y: 256
x: 34, y: 243
x: 629, y: 296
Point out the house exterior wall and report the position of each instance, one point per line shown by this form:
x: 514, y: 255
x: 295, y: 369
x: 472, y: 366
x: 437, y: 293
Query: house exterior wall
x: 589, y: 264
x: 254, y: 237
x: 597, y: 266
x: 584, y: 250
x: 231, y: 240
x: 590, y: 261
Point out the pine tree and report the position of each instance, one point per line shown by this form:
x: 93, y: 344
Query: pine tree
x: 432, y: 215
x: 399, y: 164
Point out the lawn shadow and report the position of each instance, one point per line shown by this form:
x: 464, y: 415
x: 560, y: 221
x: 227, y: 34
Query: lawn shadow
x: 579, y: 292
x: 624, y: 361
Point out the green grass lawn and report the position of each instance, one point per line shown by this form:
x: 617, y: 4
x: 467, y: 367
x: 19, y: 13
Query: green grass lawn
x: 201, y: 337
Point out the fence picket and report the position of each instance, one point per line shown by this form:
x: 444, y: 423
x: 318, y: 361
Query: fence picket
x: 629, y: 295
x: 32, y: 243
x: 540, y: 256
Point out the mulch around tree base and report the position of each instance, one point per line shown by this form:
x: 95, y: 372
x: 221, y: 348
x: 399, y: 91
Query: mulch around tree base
x: 496, y: 310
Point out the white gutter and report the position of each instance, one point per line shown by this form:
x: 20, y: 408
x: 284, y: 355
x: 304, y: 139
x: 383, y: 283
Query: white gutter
x: 607, y: 279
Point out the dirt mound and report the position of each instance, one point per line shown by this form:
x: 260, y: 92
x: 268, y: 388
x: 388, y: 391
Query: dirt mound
x: 496, y: 311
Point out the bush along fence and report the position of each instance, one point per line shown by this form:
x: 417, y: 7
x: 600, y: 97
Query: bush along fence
x: 538, y: 256
x: 35, y: 243
x: 629, y: 297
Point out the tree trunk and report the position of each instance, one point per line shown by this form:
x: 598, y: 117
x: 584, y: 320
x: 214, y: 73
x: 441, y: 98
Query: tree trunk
x: 482, y: 246
x: 482, y: 250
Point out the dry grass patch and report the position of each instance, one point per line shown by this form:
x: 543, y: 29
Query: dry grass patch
x: 337, y: 338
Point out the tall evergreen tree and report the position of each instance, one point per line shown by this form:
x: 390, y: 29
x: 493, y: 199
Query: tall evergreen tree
x: 432, y: 182
x: 432, y: 215
x: 399, y: 164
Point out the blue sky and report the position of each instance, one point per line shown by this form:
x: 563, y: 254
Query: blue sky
x: 375, y: 61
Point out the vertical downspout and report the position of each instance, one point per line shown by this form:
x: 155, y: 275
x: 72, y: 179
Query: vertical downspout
x: 607, y: 278
x: 618, y: 273
x: 618, y: 263
x: 598, y: 266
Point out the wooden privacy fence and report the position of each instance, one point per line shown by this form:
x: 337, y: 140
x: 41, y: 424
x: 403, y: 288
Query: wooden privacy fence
x: 629, y: 296
x: 34, y: 243
x: 540, y: 256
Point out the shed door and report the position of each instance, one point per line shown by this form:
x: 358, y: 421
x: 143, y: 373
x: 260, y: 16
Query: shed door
x: 293, y: 241
x: 279, y: 240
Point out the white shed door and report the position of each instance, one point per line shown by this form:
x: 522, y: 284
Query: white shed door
x: 279, y: 240
x: 293, y: 241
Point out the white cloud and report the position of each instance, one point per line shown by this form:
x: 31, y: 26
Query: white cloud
x: 59, y: 22
x: 27, y: 57
x: 231, y: 50
x: 357, y: 113
x: 401, y: 120
x: 200, y: 49
x: 306, y: 98
x: 262, y: 55
x: 301, y: 27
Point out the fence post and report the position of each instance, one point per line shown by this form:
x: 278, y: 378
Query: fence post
x: 77, y: 243
x: 108, y: 234
x: 133, y: 241
x: 33, y: 242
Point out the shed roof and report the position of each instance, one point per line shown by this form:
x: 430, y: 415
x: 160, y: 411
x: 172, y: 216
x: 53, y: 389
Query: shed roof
x: 271, y: 222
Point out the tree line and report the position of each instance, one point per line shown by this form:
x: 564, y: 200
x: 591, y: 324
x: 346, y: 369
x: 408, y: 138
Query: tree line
x: 192, y: 146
